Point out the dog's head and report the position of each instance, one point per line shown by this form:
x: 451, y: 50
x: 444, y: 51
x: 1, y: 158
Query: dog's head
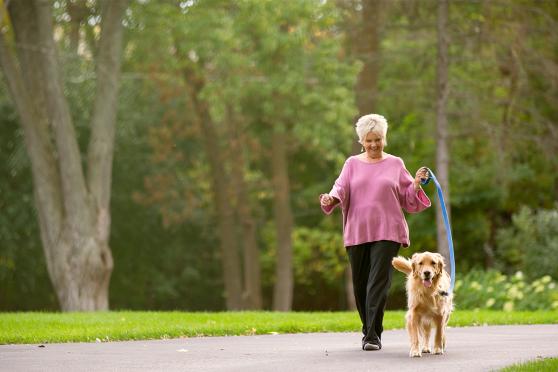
x: 427, y: 267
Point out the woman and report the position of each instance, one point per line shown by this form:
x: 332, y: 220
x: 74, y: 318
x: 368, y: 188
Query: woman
x: 372, y: 189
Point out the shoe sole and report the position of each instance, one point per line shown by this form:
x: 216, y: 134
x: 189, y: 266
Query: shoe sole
x: 369, y: 347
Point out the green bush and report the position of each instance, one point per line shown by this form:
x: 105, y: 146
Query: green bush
x: 494, y: 290
x: 319, y: 264
x: 531, y: 243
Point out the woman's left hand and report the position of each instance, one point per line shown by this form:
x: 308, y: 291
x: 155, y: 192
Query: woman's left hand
x: 422, y: 173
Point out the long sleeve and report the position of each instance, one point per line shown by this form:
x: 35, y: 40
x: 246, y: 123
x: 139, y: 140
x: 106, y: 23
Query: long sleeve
x: 373, y: 197
x: 340, y: 190
x: 412, y: 201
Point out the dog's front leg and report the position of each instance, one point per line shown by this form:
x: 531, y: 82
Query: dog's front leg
x: 425, y: 331
x: 413, y: 324
x: 439, y: 339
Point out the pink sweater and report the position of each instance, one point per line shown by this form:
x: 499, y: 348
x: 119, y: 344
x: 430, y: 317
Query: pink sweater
x: 372, y: 196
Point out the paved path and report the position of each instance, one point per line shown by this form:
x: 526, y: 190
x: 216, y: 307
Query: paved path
x: 469, y: 349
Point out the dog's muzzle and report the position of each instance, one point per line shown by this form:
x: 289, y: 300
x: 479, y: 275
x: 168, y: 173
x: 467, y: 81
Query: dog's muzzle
x: 427, y: 279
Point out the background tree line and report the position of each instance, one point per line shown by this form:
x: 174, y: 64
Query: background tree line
x: 230, y: 119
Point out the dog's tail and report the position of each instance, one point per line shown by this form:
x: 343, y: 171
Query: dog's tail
x: 402, y: 264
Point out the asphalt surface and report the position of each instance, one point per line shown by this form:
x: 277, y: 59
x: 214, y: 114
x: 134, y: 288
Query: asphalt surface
x: 468, y: 349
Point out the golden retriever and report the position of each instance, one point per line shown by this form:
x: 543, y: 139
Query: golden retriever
x: 429, y: 300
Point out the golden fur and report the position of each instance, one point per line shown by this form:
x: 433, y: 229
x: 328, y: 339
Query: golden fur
x: 428, y: 299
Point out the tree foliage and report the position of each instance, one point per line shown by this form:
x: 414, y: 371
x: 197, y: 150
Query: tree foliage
x: 262, y: 66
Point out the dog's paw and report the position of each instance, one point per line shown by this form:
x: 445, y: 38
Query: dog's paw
x: 438, y: 351
x: 415, y: 353
x: 426, y: 350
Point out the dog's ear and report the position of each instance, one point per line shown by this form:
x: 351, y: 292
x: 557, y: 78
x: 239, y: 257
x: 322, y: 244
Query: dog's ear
x: 440, y: 263
x: 414, y: 264
x: 413, y: 267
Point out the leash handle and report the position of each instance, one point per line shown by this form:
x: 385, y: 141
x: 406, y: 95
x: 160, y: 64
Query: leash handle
x: 425, y: 181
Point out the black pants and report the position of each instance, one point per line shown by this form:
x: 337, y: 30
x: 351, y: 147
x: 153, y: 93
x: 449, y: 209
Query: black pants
x: 371, y: 267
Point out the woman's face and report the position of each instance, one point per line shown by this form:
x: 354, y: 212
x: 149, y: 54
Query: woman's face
x: 374, y: 145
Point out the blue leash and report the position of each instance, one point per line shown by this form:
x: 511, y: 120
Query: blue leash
x: 425, y: 181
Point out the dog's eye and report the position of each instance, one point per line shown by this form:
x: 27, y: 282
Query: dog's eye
x: 420, y: 263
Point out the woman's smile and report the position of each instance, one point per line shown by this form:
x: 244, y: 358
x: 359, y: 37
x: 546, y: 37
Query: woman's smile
x: 374, y: 144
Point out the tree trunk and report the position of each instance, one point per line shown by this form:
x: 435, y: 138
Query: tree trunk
x: 252, y: 293
x: 283, y: 289
x: 442, y: 153
x: 366, y: 42
x: 220, y: 178
x: 80, y: 267
x: 77, y: 10
x: 74, y: 232
x: 230, y: 260
x: 368, y: 47
x: 510, y: 70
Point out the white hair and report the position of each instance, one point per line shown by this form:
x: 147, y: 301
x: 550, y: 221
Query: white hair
x: 371, y: 123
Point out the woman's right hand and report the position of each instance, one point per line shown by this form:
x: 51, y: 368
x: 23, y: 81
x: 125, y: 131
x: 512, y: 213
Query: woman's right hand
x: 326, y: 200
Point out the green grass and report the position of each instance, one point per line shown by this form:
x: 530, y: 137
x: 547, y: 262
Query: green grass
x: 18, y: 328
x: 548, y: 364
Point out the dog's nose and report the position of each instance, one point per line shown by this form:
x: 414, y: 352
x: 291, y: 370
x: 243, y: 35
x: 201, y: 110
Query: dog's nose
x: 427, y: 274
